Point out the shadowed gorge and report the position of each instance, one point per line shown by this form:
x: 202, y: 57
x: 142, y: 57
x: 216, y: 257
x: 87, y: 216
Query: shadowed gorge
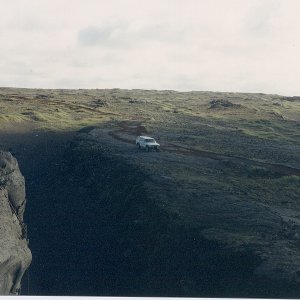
x: 94, y: 231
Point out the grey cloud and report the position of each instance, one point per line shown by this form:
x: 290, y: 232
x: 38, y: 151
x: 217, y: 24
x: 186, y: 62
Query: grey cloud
x: 93, y: 36
x: 104, y: 36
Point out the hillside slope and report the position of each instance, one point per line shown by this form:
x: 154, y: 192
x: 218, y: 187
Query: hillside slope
x: 215, y: 213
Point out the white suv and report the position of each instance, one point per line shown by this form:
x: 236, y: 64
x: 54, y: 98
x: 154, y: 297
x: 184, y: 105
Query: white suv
x: 147, y: 143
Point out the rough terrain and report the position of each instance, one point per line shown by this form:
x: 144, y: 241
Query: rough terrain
x: 215, y: 213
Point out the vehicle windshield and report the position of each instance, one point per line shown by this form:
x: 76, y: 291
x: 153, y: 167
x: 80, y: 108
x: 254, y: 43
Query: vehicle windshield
x: 149, y: 140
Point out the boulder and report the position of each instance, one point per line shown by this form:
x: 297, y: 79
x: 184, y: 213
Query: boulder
x: 15, y: 256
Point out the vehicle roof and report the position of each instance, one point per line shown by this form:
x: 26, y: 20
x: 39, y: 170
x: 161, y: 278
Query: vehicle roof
x: 145, y: 137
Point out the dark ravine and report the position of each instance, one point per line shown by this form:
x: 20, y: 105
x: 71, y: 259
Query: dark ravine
x: 15, y: 256
x: 94, y: 231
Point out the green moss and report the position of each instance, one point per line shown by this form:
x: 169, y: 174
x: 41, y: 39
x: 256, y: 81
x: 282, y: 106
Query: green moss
x: 292, y: 180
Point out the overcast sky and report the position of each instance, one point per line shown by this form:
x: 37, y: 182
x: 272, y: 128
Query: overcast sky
x: 217, y: 45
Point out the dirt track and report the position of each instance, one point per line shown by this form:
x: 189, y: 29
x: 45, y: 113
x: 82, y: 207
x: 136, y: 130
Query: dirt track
x: 135, y: 128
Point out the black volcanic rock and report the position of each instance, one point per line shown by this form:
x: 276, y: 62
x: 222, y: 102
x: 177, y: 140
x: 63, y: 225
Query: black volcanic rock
x: 222, y: 104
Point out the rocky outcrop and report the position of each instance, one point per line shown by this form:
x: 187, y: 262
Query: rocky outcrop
x: 221, y: 104
x: 15, y: 256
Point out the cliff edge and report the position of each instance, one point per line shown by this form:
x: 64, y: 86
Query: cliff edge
x: 15, y: 256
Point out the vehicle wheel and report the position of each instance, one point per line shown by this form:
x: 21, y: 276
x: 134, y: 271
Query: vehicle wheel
x: 147, y: 149
x: 139, y: 146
